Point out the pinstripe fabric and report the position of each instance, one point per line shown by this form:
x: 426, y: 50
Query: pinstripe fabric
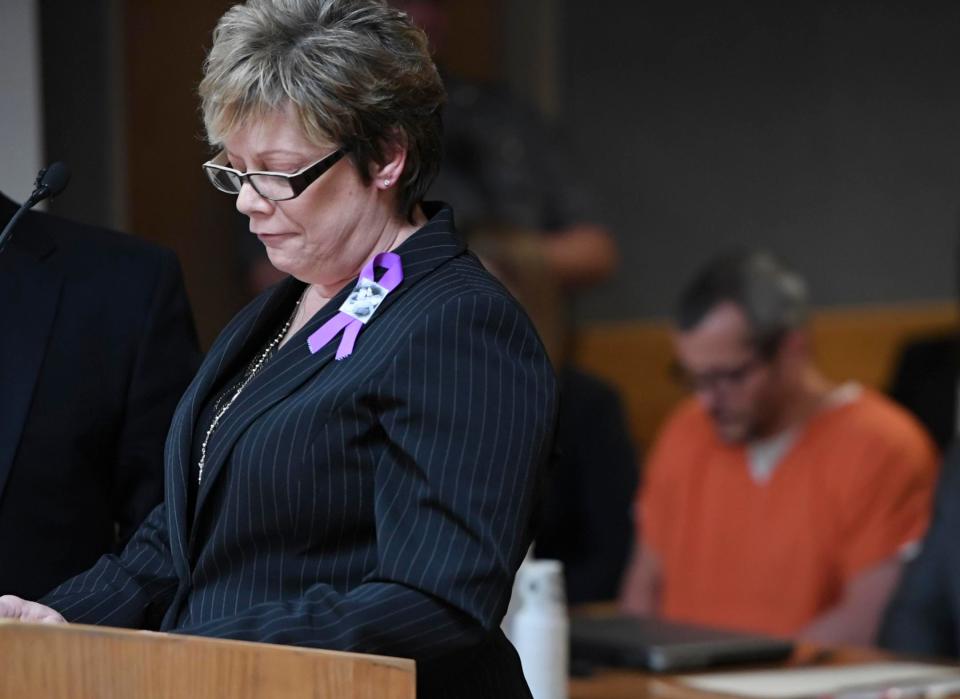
x: 377, y: 504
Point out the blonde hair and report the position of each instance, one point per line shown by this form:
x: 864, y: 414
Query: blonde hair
x: 356, y: 73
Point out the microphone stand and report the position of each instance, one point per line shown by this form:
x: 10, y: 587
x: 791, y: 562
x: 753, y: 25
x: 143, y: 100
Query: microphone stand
x: 7, y: 230
x: 50, y: 182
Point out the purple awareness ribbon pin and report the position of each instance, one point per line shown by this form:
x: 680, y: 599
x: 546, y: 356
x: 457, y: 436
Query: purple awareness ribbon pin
x: 360, y: 305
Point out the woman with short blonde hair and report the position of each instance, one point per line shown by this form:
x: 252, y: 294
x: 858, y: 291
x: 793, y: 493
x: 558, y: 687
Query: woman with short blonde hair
x: 353, y: 466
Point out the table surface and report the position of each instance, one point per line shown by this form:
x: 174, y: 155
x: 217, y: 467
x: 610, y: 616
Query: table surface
x: 624, y: 684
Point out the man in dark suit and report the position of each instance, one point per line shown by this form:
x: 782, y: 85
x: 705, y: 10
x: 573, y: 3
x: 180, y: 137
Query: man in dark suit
x: 96, y: 345
x: 924, y: 616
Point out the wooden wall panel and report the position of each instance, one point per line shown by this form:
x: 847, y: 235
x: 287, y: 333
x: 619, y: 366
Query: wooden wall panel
x: 475, y: 42
x: 169, y: 199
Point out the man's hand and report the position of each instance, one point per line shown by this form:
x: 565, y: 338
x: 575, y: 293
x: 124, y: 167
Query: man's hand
x: 15, y: 608
x: 640, y: 591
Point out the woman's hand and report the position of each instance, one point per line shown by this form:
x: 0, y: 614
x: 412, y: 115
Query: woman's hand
x: 12, y: 607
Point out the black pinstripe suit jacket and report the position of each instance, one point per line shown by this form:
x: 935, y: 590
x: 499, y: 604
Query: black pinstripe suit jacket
x: 377, y: 504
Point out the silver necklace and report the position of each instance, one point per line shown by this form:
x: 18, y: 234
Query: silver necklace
x: 252, y: 370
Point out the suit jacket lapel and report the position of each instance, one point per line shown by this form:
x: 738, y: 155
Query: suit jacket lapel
x: 29, y: 295
x: 239, y: 340
x: 284, y: 373
x: 293, y: 365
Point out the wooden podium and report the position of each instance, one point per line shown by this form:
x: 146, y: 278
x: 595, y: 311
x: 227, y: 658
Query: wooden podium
x: 81, y: 662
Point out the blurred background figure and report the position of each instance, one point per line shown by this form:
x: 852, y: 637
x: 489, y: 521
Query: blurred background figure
x: 924, y: 615
x: 774, y: 500
x: 98, y: 344
x: 585, y: 518
x: 505, y: 166
x: 926, y: 377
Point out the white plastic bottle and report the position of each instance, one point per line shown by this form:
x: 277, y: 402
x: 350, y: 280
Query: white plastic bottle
x: 539, y: 628
x: 514, y: 604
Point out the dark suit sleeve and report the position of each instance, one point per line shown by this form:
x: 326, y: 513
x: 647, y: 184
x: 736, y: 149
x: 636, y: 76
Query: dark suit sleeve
x: 466, y: 412
x: 132, y: 590
x: 921, y: 618
x: 167, y: 358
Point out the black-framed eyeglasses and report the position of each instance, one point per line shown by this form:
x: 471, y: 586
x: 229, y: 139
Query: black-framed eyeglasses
x: 717, y: 379
x: 275, y: 186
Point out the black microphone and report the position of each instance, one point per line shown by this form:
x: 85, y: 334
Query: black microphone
x: 50, y: 181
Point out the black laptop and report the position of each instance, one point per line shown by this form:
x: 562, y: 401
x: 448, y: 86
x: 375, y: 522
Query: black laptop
x: 663, y: 646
